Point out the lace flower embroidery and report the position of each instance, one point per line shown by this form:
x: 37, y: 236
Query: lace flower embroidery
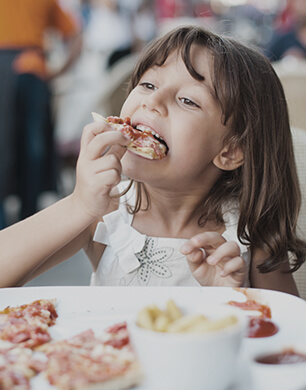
x: 152, y: 262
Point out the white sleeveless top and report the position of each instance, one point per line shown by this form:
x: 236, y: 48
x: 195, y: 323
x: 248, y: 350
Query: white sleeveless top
x: 134, y: 259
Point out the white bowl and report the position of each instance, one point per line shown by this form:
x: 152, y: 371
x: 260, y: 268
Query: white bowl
x: 279, y: 376
x: 182, y: 361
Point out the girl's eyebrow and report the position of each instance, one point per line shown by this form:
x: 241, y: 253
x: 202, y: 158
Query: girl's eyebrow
x: 203, y: 84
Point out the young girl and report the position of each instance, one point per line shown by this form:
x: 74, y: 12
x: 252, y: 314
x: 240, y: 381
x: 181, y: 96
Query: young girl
x: 220, y: 209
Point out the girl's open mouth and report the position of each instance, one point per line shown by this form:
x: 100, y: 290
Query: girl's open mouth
x: 147, y: 129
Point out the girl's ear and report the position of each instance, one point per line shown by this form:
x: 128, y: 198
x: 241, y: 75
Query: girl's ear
x: 230, y: 158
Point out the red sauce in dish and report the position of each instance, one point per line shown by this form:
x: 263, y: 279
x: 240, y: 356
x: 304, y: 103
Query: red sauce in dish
x: 259, y: 326
x: 254, y: 306
x: 288, y: 356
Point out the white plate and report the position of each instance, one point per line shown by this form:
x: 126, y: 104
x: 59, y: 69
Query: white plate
x: 80, y: 308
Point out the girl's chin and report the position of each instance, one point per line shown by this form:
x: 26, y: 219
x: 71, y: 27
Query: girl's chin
x: 133, y: 161
x: 131, y: 168
x: 137, y: 167
x: 132, y: 174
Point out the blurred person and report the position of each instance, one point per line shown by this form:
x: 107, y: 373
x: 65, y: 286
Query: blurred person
x: 248, y: 22
x: 85, y: 11
x: 173, y: 8
x: 284, y: 20
x: 202, y: 8
x: 293, y: 41
x: 144, y: 24
x: 165, y: 8
x: 27, y: 156
x: 108, y: 30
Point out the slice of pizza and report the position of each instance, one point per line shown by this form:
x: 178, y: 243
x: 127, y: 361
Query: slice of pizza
x: 17, y: 367
x: 143, y: 141
x: 28, y: 325
x: 88, y: 362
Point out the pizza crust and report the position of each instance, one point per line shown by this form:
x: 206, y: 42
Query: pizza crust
x: 144, y: 152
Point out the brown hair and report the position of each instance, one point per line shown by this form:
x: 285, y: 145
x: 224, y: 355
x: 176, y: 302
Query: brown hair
x: 254, y: 108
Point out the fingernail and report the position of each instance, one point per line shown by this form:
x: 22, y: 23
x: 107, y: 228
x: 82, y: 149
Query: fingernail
x: 211, y: 260
x: 185, y: 249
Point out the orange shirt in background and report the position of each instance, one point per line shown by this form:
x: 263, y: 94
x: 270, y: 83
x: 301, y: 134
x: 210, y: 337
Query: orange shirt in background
x: 22, y: 25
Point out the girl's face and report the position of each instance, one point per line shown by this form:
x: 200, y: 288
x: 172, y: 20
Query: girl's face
x: 185, y: 113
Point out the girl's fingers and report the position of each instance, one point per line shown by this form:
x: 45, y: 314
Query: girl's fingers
x: 203, y: 240
x: 116, y: 150
x: 234, y: 265
x: 91, y: 130
x: 223, y: 252
x: 110, y: 179
x: 101, y: 143
x: 196, y: 258
x: 109, y: 161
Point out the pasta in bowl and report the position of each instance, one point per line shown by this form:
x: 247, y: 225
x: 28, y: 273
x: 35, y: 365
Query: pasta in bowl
x: 179, y: 350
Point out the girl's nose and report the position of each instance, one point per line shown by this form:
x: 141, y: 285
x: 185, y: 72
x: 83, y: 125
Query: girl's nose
x: 156, y: 102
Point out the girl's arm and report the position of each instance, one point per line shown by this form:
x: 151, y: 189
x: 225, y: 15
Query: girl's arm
x: 27, y: 245
x: 276, y: 280
x: 34, y: 245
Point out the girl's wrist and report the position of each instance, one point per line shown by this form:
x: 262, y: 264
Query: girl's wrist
x: 77, y: 208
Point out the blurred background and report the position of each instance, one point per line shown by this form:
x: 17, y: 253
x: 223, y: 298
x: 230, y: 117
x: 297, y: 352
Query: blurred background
x: 76, y: 57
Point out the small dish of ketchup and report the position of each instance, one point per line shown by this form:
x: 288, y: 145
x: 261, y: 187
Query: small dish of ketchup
x: 280, y: 368
x: 259, y: 326
x: 286, y: 356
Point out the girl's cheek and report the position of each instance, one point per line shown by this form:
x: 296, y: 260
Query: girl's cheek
x: 126, y: 109
x: 123, y: 109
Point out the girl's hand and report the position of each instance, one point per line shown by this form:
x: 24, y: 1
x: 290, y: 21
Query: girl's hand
x: 214, y: 261
x: 98, y: 168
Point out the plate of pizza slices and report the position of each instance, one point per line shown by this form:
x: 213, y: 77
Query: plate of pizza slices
x: 78, y: 338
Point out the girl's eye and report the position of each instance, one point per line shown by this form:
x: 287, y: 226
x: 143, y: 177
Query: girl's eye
x: 189, y: 102
x: 148, y: 86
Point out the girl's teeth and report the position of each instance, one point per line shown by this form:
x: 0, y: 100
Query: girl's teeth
x: 144, y: 128
x: 148, y: 130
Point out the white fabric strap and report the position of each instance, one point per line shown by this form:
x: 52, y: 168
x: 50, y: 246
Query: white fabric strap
x: 101, y: 234
x: 125, y: 241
